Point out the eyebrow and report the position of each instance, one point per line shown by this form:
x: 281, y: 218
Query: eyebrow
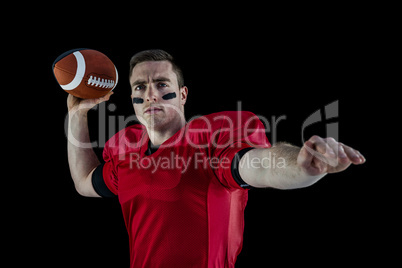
x: 156, y: 80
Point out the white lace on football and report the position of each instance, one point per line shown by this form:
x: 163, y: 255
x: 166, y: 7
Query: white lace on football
x: 100, y: 82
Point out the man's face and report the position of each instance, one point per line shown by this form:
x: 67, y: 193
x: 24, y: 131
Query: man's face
x: 151, y: 81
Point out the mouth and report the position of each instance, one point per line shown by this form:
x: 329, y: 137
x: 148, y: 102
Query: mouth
x: 153, y: 110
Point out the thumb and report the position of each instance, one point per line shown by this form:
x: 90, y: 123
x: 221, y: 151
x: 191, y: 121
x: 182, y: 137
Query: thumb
x: 104, y: 98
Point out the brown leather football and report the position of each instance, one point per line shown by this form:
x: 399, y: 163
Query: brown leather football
x: 85, y: 73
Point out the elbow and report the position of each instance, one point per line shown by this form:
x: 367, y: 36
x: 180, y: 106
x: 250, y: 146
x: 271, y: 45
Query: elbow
x: 83, y: 185
x: 80, y: 189
x: 83, y: 189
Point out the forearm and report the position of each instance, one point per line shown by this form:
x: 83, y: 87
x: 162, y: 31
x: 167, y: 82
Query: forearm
x: 81, y: 157
x: 275, y: 167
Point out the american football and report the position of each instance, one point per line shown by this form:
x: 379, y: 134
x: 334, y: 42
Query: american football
x: 85, y: 73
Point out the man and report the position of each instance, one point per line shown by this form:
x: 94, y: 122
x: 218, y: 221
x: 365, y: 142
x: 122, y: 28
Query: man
x: 183, y: 186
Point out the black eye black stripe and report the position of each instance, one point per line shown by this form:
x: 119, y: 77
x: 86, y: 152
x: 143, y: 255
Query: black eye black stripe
x: 169, y: 96
x: 138, y: 100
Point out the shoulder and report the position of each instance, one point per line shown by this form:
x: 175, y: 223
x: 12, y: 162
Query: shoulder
x: 126, y: 139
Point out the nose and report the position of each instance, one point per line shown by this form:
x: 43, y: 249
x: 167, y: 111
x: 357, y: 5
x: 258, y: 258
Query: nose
x: 151, y: 94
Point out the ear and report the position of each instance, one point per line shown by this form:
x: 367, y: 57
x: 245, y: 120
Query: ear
x: 183, y: 95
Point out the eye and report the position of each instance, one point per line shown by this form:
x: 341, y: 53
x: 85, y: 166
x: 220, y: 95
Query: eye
x: 140, y: 87
x: 162, y: 85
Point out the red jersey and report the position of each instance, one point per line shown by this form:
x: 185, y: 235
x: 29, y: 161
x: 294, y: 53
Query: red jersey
x: 181, y: 204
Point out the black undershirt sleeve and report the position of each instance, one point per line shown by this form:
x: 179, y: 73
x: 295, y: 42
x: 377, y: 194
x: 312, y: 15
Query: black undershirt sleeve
x: 235, y: 168
x: 99, y: 183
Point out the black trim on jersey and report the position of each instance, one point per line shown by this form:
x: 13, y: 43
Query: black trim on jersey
x: 235, y: 168
x: 151, y: 148
x: 99, y: 183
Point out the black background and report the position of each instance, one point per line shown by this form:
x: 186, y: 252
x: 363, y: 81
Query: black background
x: 293, y: 72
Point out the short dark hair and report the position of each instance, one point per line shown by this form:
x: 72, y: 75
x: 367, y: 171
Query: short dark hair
x: 157, y: 55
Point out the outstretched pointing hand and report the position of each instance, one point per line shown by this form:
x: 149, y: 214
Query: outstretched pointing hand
x: 319, y: 156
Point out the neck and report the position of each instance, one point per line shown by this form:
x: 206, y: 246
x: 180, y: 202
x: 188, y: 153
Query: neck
x: 159, y: 136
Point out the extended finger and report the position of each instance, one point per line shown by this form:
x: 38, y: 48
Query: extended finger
x: 355, y: 156
x: 342, y: 158
x: 333, y: 144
